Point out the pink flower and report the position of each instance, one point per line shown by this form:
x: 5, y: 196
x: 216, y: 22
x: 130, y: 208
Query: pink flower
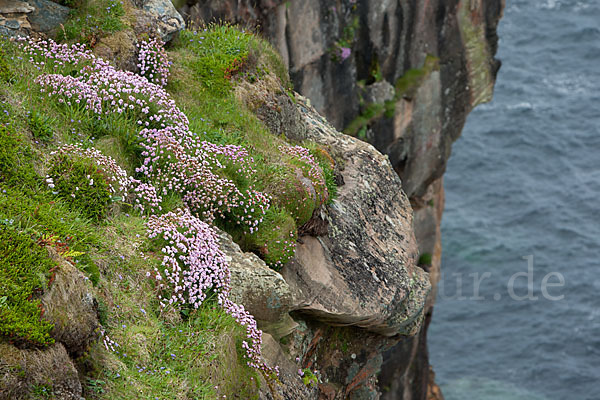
x: 345, y: 53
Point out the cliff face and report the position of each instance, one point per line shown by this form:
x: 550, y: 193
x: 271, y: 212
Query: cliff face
x: 350, y: 312
x: 402, y: 75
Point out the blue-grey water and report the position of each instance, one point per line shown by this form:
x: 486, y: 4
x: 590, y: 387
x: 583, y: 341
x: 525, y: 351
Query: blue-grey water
x: 524, y: 180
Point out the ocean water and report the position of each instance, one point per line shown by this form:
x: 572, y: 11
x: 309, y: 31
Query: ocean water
x: 523, y: 209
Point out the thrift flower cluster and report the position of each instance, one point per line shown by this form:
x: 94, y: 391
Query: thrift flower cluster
x: 118, y: 181
x: 174, y: 156
x: 192, y: 264
x: 153, y: 61
x: 174, y: 159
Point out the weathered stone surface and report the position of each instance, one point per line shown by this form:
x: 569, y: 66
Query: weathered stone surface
x: 244, y: 12
x: 167, y: 20
x: 70, y: 306
x: 13, y: 17
x: 290, y: 385
x: 47, y: 15
x: 363, y: 272
x: 14, y: 7
x: 261, y: 290
x: 379, y: 92
x: 272, y: 105
x: 48, y: 370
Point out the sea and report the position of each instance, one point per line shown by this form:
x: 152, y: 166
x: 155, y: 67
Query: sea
x: 518, y: 312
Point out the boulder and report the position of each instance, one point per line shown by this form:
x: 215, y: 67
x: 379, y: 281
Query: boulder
x: 379, y: 92
x: 44, y: 373
x: 70, y: 306
x: 13, y: 17
x: 163, y: 17
x: 363, y: 272
x: 261, y: 290
x: 47, y: 15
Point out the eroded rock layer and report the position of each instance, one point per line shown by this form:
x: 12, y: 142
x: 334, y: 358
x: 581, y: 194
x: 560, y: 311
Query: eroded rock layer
x: 401, y: 75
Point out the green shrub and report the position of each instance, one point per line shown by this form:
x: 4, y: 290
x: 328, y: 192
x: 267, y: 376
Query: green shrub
x: 24, y: 269
x: 79, y: 183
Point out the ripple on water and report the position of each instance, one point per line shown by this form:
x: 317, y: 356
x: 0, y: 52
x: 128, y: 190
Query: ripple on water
x: 525, y: 179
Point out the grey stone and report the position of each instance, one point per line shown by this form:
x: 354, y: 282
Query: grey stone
x: 15, y: 7
x: 261, y: 290
x: 47, y: 15
x: 379, y: 92
x: 169, y: 21
x: 12, y: 24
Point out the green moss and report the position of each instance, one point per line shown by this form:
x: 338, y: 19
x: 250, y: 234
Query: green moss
x: 80, y: 184
x: 24, y: 269
x: 425, y: 259
x: 408, y: 83
x: 276, y: 237
x: 16, y: 165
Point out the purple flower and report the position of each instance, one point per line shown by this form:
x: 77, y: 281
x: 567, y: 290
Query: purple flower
x: 345, y: 53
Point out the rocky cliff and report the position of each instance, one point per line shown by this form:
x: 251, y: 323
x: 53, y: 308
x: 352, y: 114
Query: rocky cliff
x: 401, y: 75
x: 347, y: 317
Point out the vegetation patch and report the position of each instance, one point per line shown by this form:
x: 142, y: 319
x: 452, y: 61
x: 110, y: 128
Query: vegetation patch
x: 406, y: 86
x: 24, y: 271
x: 190, y: 155
x: 220, y: 56
x: 92, y: 19
x: 80, y: 184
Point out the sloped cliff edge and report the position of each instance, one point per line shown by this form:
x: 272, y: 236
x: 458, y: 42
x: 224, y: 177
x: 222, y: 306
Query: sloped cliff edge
x: 402, y: 75
x: 355, y: 303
